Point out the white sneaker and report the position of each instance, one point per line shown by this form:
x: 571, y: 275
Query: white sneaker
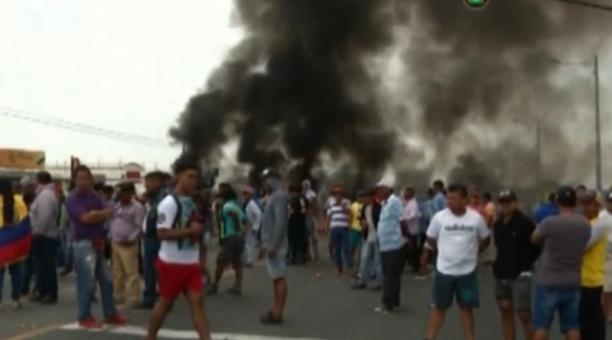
x: 381, y: 310
x: 17, y: 305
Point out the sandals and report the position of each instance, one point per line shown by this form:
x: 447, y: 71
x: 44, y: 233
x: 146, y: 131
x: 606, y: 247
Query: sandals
x: 269, y: 319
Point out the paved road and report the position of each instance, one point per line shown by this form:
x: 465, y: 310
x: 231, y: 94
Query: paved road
x: 319, y: 308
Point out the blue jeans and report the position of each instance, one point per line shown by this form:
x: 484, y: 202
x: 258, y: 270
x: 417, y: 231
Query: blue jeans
x: 341, y: 248
x: 90, y: 266
x: 370, y: 263
x: 550, y: 299
x: 151, y: 250
x: 16, y: 272
x: 65, y: 250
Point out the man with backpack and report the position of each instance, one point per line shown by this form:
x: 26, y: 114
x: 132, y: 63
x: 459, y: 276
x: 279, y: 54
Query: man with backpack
x: 231, y: 240
x: 179, y: 227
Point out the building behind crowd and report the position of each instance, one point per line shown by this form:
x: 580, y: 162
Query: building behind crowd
x: 17, y: 163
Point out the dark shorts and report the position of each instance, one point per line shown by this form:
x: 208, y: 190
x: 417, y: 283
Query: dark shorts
x: 518, y: 291
x: 355, y: 238
x: 463, y: 288
x: 549, y: 299
x: 175, y: 279
x: 231, y: 253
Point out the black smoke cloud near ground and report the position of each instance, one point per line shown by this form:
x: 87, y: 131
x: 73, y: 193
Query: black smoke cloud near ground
x: 299, y: 87
x: 313, y: 96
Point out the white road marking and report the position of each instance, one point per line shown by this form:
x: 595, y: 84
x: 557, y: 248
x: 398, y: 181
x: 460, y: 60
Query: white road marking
x: 177, y: 334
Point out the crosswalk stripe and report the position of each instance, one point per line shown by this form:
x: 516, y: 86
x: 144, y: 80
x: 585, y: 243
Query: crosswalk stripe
x: 179, y: 334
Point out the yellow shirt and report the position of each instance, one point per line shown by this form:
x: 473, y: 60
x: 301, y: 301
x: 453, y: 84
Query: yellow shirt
x: 356, y: 216
x: 21, y: 211
x: 593, y: 262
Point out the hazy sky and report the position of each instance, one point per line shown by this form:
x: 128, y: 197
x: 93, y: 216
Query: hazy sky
x: 127, y: 66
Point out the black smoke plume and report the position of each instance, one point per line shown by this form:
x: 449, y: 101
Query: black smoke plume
x: 302, y: 88
x: 297, y: 87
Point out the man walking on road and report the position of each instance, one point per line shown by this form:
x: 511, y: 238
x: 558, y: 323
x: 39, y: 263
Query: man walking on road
x: 154, y: 185
x: 459, y: 234
x: 44, y: 214
x: 564, y: 239
x: 87, y: 215
x: 125, y: 229
x: 410, y: 225
x: 231, y: 240
x: 274, y: 243
x: 370, y: 253
x: 392, y: 246
x: 338, y: 219
x: 179, y: 227
x: 253, y: 215
x: 513, y: 265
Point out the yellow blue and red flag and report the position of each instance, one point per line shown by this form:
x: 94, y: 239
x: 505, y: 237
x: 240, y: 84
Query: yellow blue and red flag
x: 15, y: 242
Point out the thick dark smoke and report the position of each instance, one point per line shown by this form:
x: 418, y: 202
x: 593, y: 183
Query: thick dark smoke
x: 485, y: 67
x: 301, y: 88
x: 297, y: 87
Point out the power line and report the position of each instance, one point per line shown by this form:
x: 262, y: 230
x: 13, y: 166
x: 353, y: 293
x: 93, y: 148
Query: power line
x: 82, y: 128
x: 587, y: 4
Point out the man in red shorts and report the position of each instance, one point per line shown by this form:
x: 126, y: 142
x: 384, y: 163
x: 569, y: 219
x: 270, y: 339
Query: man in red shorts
x: 179, y: 227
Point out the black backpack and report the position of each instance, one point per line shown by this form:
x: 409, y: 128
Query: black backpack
x: 176, y: 224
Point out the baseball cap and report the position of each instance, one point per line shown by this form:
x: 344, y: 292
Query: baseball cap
x: 566, y: 196
x: 506, y: 196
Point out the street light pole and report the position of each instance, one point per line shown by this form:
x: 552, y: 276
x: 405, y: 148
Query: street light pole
x: 598, y: 176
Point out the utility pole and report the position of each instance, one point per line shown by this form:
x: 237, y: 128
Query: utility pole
x: 598, y: 179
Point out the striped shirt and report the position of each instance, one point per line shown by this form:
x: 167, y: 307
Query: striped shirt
x: 338, y: 213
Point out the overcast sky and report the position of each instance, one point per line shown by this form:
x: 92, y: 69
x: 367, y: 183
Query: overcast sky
x: 127, y: 66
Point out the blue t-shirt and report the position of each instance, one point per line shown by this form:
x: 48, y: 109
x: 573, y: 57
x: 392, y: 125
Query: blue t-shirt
x: 544, y: 211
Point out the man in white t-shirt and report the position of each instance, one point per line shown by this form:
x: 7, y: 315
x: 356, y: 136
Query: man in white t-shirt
x: 253, y: 216
x: 179, y: 227
x: 459, y: 234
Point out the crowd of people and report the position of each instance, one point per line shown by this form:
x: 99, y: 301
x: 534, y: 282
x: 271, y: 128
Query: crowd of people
x: 146, y: 250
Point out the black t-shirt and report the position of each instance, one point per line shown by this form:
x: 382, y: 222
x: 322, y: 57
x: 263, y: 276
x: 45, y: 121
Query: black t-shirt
x: 298, y: 206
x: 515, y: 252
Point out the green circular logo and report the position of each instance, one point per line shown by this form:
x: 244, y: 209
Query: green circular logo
x: 476, y: 4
